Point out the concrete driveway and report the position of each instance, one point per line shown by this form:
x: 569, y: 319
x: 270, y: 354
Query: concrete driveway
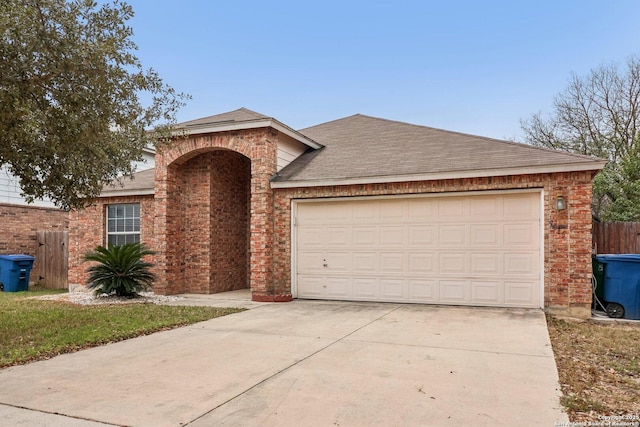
x: 304, y: 363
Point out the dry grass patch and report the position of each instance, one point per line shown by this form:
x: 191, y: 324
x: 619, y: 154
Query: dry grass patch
x: 599, y: 368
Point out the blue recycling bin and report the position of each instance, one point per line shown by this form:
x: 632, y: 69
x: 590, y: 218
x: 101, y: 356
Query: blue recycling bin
x: 621, y: 291
x: 14, y: 272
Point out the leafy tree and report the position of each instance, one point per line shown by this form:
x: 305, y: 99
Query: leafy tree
x: 599, y: 115
x: 71, y: 112
x: 120, y: 270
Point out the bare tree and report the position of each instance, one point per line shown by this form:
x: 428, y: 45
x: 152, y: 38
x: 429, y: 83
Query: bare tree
x: 599, y: 115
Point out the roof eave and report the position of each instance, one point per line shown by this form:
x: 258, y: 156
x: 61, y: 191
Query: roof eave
x: 573, y: 167
x: 200, y: 129
x: 124, y: 193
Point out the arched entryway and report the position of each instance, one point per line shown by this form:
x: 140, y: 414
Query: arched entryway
x: 208, y: 215
x: 214, y: 222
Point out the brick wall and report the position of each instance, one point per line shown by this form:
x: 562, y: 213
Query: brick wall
x: 87, y: 231
x: 567, y: 243
x: 18, y: 226
x: 230, y: 187
x: 216, y: 185
x: 208, y: 229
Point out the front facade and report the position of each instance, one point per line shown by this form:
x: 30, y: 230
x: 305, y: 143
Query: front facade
x: 21, y: 221
x: 358, y: 209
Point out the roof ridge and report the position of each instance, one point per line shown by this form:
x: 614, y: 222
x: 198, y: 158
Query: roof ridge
x: 227, y: 116
x: 331, y: 121
x: 253, y: 113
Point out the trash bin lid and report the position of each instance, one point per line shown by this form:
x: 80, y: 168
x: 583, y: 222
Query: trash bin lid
x: 17, y: 257
x: 618, y: 257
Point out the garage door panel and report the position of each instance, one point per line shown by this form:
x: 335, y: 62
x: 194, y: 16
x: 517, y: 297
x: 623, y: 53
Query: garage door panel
x: 452, y: 208
x: 486, y: 263
x: 310, y: 262
x: 485, y: 235
x: 452, y: 235
x: 337, y: 262
x: 337, y: 236
x: 365, y: 211
x: 422, y: 263
x: 393, y: 210
x: 485, y: 208
x: 487, y: 292
x: 423, y: 290
x: 365, y: 262
x: 522, y: 234
x: 454, y: 291
x: 366, y: 288
x: 313, y: 285
x: 476, y: 249
x: 310, y: 237
x: 364, y: 236
x: 337, y: 287
x: 392, y: 236
x: 392, y: 262
x: 452, y: 263
x: 423, y: 209
x: 522, y: 206
x: 310, y: 215
x: 422, y: 236
x: 522, y: 264
x: 393, y: 289
x: 518, y: 293
x: 337, y: 214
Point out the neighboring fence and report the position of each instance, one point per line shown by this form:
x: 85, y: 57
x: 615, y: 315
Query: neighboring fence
x: 616, y: 237
x: 52, y: 259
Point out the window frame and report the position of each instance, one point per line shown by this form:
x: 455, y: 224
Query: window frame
x: 121, y: 220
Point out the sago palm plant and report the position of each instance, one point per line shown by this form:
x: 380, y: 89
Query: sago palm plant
x: 120, y: 270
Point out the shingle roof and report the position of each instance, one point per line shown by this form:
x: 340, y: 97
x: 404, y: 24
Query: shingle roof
x: 240, y: 119
x: 142, y: 182
x: 364, y: 147
x: 239, y: 115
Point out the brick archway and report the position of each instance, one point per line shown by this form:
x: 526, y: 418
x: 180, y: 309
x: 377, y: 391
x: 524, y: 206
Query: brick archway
x: 214, y: 214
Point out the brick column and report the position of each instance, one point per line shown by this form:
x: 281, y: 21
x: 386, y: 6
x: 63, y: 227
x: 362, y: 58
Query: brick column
x: 263, y: 166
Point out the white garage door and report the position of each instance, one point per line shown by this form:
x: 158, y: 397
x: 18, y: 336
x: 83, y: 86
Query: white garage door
x: 472, y: 249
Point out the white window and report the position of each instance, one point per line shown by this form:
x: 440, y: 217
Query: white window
x: 123, y: 223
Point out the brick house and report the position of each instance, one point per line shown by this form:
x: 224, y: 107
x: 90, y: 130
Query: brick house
x: 359, y: 208
x: 20, y: 221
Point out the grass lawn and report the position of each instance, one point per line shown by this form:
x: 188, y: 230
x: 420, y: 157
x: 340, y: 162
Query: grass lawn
x: 599, y: 369
x: 32, y: 329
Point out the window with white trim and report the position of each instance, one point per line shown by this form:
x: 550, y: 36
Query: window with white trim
x: 123, y: 223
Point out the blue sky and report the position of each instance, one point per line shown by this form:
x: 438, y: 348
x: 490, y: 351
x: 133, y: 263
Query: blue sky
x: 469, y: 66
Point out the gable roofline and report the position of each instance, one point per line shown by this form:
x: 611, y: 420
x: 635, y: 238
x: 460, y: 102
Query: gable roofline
x: 596, y: 165
x: 220, y: 124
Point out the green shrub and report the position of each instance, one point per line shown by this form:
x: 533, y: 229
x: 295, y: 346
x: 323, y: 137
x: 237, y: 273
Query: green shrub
x: 120, y: 270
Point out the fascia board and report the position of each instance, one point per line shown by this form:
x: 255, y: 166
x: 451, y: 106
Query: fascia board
x: 116, y: 193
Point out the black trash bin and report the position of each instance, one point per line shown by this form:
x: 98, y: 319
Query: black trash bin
x: 14, y: 272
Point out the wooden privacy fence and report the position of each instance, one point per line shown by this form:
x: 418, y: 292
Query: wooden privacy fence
x: 616, y: 237
x: 52, y: 259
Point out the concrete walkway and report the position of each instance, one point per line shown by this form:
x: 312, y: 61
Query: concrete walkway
x: 304, y: 363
